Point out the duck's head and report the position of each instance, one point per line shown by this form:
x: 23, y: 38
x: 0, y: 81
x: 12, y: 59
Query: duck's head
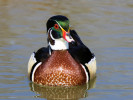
x: 59, y: 32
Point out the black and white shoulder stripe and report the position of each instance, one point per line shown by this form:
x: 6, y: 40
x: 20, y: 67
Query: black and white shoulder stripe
x: 36, y: 60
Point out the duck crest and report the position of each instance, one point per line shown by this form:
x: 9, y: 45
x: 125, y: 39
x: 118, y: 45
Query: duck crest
x: 60, y: 69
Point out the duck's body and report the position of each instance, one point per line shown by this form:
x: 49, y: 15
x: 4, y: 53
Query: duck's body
x: 65, y: 62
x: 60, y: 69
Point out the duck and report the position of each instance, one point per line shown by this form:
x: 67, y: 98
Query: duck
x: 66, y: 61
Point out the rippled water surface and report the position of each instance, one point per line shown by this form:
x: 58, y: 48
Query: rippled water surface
x: 105, y: 26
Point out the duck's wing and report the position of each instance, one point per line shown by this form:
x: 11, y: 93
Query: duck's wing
x: 42, y: 54
x: 37, y: 58
x: 82, y: 54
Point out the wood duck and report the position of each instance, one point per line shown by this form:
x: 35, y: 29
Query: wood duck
x: 66, y: 61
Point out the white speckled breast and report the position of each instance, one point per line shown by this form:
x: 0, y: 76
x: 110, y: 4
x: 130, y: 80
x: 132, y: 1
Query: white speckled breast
x: 60, y: 69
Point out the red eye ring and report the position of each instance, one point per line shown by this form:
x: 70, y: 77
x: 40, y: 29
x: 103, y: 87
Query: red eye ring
x: 56, y: 26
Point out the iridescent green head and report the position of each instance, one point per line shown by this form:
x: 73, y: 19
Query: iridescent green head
x: 58, y: 27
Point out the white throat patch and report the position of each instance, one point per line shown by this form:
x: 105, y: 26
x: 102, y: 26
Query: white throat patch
x: 60, y: 44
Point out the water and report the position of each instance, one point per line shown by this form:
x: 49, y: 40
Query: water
x: 105, y: 26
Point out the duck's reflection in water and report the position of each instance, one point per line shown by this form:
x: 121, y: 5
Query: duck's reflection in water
x: 62, y: 93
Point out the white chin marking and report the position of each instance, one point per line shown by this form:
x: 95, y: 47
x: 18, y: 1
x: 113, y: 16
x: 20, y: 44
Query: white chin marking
x: 60, y: 44
x: 69, y: 39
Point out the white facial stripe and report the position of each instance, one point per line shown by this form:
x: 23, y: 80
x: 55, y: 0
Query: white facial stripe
x: 51, y: 34
x: 59, y: 24
x: 49, y: 30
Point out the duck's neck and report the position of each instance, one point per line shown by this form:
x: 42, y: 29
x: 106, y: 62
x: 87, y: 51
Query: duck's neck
x: 59, y: 44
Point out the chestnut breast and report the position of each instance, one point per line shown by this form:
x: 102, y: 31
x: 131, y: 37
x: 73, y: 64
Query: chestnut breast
x: 60, y: 69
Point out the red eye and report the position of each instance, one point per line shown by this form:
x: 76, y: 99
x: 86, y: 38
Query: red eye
x: 56, y: 26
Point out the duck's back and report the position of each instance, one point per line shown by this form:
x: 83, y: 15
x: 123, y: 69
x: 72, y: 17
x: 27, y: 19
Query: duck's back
x: 60, y: 69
